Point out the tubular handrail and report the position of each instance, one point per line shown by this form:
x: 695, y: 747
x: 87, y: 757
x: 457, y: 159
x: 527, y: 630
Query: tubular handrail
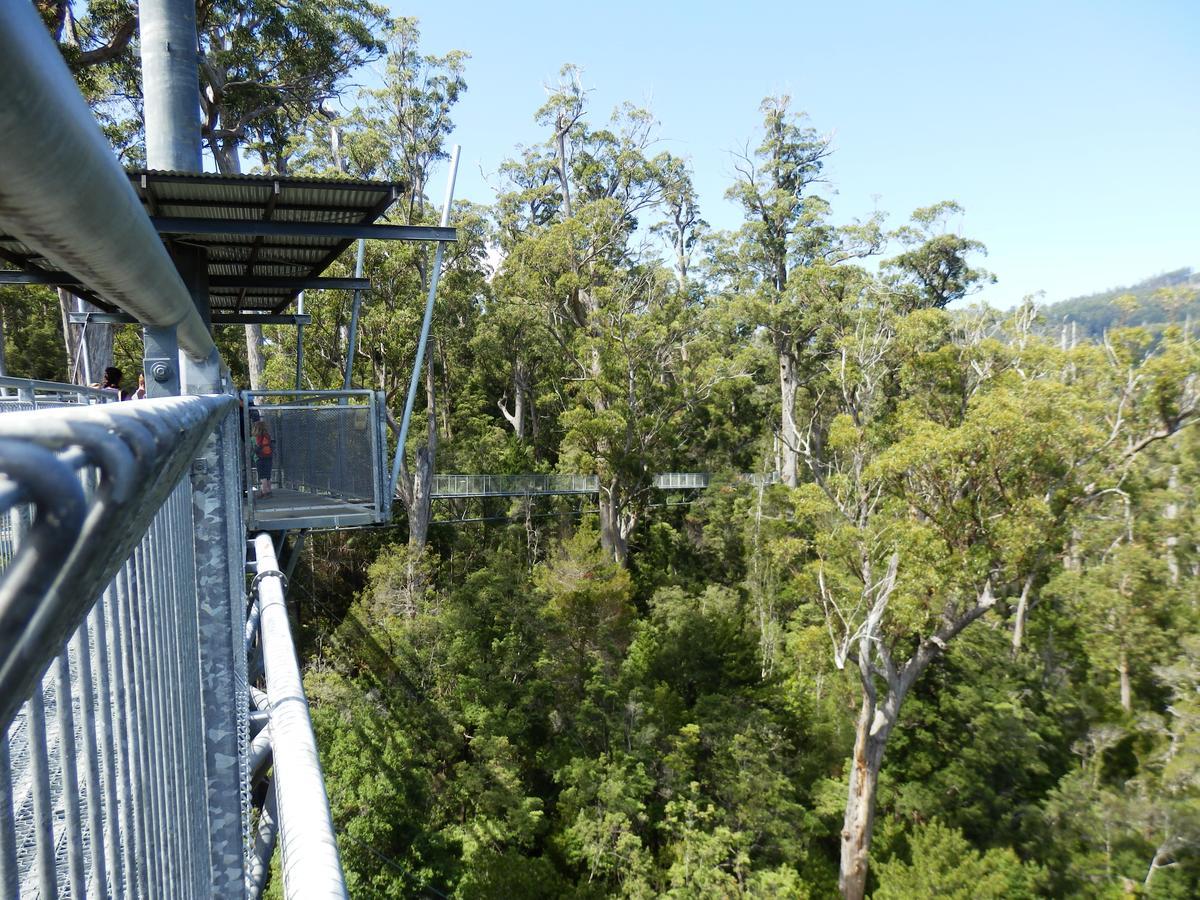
x: 63, y: 189
x: 29, y: 386
x: 141, y: 450
x: 310, y: 863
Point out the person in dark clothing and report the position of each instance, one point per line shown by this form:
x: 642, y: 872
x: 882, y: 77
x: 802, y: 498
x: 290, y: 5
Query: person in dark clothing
x: 112, y: 381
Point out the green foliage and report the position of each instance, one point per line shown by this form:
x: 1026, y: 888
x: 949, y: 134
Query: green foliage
x: 1152, y: 304
x: 982, y: 558
x: 942, y: 864
x: 31, y: 331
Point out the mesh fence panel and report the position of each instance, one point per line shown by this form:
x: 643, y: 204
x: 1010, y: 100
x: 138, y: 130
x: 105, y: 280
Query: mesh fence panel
x: 323, y: 450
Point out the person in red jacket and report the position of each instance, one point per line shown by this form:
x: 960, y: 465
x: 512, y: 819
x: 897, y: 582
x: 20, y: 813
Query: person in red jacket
x: 263, y: 450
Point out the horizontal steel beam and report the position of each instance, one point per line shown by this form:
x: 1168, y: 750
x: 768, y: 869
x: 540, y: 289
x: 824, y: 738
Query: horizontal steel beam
x: 271, y: 228
x: 245, y: 318
x: 240, y: 318
x: 214, y: 281
x: 37, y: 278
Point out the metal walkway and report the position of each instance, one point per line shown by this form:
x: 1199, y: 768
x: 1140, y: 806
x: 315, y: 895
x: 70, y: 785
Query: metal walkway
x: 454, y: 487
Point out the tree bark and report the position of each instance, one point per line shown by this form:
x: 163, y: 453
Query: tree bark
x: 516, y: 418
x: 1019, y: 618
x: 254, y: 356
x: 1170, y: 515
x: 1126, y: 686
x: 788, y: 434
x: 870, y: 740
x: 419, y: 499
x: 612, y: 535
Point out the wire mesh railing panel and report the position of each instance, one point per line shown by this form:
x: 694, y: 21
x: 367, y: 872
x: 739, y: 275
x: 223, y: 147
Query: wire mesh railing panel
x: 323, y: 450
x: 326, y: 454
x: 449, y: 486
x: 25, y: 394
x: 105, y: 783
x: 102, y: 735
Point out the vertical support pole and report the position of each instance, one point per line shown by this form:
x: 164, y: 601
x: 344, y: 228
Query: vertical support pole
x: 220, y: 588
x: 420, y: 359
x: 352, y: 341
x: 197, y: 378
x: 171, y: 93
x: 171, y: 88
x: 300, y: 344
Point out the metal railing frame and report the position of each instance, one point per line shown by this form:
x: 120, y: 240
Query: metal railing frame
x: 451, y: 486
x: 36, y: 393
x: 296, y: 807
x: 372, y: 401
x: 94, y: 496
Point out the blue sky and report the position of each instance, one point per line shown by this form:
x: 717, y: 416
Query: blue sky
x: 1070, y: 131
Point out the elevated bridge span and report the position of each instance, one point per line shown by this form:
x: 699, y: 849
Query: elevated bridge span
x: 452, y: 487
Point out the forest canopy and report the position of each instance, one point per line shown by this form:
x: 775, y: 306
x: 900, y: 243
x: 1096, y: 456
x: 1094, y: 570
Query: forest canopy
x: 946, y: 643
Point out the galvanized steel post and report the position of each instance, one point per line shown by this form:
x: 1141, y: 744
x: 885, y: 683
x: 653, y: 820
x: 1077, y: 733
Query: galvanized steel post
x: 420, y: 359
x: 219, y: 543
x: 352, y: 339
x: 171, y: 85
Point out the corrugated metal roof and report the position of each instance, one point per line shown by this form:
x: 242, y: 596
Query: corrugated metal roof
x: 308, y: 199
x: 316, y: 200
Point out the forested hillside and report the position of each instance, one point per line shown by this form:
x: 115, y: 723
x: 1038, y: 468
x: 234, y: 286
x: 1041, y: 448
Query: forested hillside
x: 1171, y: 298
x: 953, y: 652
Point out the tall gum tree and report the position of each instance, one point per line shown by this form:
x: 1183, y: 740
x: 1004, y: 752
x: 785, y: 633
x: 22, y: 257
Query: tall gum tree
x: 569, y: 225
x: 931, y: 512
x: 786, y: 231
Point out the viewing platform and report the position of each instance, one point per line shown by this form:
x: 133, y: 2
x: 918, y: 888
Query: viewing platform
x: 328, y: 462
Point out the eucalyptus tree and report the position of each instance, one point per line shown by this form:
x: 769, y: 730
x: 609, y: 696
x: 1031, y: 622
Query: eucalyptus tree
x: 786, y: 232
x: 681, y: 226
x: 945, y: 480
x: 934, y: 270
x: 570, y: 223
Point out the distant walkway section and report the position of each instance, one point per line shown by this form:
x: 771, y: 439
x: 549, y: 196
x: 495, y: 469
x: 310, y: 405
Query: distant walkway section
x: 448, y: 487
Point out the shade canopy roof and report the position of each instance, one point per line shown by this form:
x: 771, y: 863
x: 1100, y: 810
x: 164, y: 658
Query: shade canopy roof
x: 265, y: 235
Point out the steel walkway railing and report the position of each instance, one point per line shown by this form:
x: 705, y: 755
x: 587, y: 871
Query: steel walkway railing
x: 128, y: 752
x: 29, y: 393
x: 103, y: 757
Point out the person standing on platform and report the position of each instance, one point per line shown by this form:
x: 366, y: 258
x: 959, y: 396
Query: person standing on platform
x: 263, y: 450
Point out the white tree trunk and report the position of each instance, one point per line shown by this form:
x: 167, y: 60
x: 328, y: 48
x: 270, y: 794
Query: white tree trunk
x: 1171, y: 514
x: 1126, y: 686
x: 612, y: 536
x: 788, y: 433
x: 870, y: 739
x: 254, y: 356
x: 1019, y: 618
